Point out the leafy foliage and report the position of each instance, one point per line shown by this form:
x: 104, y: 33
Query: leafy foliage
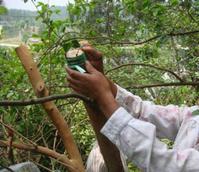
x: 3, y: 10
x: 157, y: 32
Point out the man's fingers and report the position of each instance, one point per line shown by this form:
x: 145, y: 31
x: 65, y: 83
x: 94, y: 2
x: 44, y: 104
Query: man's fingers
x: 90, y: 68
x: 76, y: 84
x: 75, y: 74
x: 92, y: 53
x: 73, y: 81
x: 75, y: 88
x: 78, y: 89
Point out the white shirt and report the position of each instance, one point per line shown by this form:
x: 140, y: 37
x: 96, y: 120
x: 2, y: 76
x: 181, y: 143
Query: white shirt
x: 137, y: 125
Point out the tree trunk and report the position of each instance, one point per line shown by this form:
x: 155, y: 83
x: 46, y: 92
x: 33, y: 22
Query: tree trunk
x: 109, y: 151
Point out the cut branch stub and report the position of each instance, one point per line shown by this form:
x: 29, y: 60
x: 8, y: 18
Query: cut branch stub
x: 52, y: 111
x: 40, y: 89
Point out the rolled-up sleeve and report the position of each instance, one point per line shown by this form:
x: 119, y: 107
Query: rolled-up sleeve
x: 167, y: 119
x: 137, y: 140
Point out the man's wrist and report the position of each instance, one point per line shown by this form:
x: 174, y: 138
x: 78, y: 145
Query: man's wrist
x: 113, y: 88
x: 108, y: 105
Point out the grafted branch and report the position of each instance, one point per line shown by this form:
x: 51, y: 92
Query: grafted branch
x: 51, y: 109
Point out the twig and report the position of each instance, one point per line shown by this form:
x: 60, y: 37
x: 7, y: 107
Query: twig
x: 4, y: 167
x: 42, y: 166
x: 113, y: 41
x: 183, y: 33
x: 43, y: 100
x: 191, y: 16
x: 153, y: 38
x: 42, y: 150
x: 147, y: 65
x: 165, y: 85
x: 17, y: 133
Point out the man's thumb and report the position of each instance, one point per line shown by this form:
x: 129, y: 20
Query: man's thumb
x: 89, y: 67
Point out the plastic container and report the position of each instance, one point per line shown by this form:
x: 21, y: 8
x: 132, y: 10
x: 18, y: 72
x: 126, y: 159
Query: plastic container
x: 76, y: 59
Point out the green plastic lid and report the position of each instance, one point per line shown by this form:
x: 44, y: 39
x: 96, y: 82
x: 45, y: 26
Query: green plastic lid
x: 76, y: 59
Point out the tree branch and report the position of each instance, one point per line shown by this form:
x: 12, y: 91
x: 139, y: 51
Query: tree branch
x: 183, y: 33
x: 61, y: 158
x: 51, y: 109
x: 153, y: 38
x: 43, y: 100
x: 17, y: 133
x: 113, y: 41
x: 147, y: 65
x: 86, y: 99
x: 4, y: 167
x: 165, y: 85
x: 42, y: 150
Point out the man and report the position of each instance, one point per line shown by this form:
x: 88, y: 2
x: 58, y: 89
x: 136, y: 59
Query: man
x: 135, y: 126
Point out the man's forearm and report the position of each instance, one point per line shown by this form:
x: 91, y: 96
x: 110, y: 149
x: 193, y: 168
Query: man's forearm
x: 108, y: 105
x: 113, y: 88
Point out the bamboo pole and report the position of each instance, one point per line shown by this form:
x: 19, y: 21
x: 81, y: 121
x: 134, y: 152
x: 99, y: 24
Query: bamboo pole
x: 51, y: 109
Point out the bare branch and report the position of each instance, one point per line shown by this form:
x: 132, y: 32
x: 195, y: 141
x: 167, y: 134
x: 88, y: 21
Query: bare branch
x: 183, y: 33
x: 147, y: 65
x: 152, y: 38
x: 43, y: 100
x: 165, y: 85
x: 113, y: 41
x: 17, y: 133
x: 86, y: 99
x: 4, y: 167
x: 42, y: 150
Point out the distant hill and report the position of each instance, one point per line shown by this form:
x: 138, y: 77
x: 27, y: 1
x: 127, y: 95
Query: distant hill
x: 63, y: 13
x: 16, y: 22
x: 16, y: 14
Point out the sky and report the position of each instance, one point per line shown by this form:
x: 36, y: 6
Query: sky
x: 19, y: 4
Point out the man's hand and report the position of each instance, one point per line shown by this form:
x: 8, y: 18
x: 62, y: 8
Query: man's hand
x: 93, y: 56
x: 94, y: 85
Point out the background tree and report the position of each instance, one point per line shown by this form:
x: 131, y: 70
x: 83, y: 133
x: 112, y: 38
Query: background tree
x: 149, y: 47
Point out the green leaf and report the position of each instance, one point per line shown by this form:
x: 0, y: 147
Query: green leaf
x: 3, y: 10
x: 75, y: 44
x: 57, y: 11
x: 71, y: 44
x: 66, y: 46
x: 174, y: 2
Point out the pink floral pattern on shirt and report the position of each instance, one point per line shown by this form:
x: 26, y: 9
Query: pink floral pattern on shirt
x: 137, y: 126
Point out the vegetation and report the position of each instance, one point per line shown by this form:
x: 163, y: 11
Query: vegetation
x: 149, y: 47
